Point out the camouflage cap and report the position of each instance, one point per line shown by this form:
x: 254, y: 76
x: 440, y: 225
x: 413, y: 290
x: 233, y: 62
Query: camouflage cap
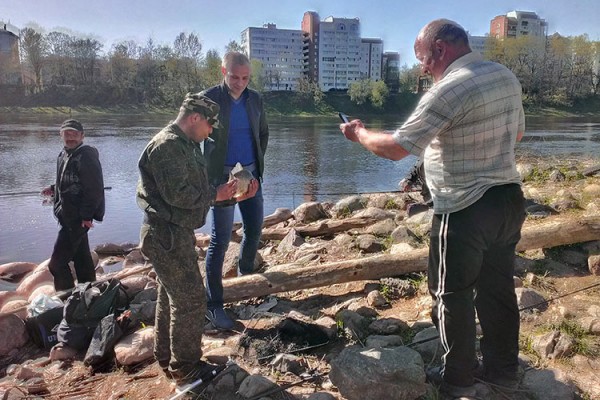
x: 203, y: 105
x: 71, y: 125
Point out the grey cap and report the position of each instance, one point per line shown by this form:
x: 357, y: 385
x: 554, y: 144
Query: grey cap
x: 203, y: 105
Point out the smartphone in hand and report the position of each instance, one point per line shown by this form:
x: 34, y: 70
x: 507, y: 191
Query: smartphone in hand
x: 343, y: 117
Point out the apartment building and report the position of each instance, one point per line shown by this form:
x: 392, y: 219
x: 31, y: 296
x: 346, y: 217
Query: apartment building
x: 339, y: 53
x: 391, y: 70
x: 281, y: 53
x: 371, y: 58
x: 518, y: 23
x: 477, y: 43
x: 310, y: 32
x: 10, y: 65
x: 329, y: 52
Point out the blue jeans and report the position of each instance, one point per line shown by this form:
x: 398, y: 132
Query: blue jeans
x: 222, y: 225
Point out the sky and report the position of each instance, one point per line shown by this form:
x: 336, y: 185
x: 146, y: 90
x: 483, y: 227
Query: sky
x: 217, y: 22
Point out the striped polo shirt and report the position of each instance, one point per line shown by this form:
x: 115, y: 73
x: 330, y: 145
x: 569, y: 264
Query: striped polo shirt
x: 465, y: 127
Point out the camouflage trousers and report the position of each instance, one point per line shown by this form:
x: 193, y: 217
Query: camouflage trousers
x: 181, y: 304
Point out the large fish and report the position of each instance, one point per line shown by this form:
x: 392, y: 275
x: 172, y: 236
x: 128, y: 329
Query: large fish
x: 243, y: 177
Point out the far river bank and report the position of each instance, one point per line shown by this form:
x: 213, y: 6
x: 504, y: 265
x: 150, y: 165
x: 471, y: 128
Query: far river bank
x: 296, y: 105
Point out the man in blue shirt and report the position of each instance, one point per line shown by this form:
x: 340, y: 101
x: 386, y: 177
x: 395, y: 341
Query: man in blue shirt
x: 242, y: 139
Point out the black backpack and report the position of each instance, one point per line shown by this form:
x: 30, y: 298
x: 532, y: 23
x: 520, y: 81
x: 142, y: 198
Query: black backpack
x: 84, y: 309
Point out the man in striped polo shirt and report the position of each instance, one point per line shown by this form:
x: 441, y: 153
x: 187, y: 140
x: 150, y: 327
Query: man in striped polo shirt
x: 465, y: 128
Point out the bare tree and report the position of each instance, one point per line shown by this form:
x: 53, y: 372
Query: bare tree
x: 122, y: 67
x: 85, y: 56
x: 33, y: 50
x: 188, y: 57
x: 59, y: 59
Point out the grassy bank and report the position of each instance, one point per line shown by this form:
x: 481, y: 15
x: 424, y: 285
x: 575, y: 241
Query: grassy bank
x: 296, y: 104
x: 122, y: 109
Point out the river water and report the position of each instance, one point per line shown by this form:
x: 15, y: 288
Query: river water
x: 307, y: 159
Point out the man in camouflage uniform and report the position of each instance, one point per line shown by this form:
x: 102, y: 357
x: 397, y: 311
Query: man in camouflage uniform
x: 175, y: 195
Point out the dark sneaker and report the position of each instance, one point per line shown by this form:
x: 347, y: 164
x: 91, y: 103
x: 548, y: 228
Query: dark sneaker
x: 219, y: 319
x: 434, y: 377
x: 497, y: 381
x: 189, y: 378
x: 164, y: 365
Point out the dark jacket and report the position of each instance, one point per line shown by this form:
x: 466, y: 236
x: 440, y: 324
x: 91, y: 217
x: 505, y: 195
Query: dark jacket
x: 79, y: 187
x: 173, y: 183
x: 216, y: 151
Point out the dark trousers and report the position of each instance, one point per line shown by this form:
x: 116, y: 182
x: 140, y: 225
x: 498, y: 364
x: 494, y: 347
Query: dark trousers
x: 181, y: 303
x: 71, y: 245
x: 471, y: 266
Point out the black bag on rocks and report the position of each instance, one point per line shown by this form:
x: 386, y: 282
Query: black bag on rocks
x: 101, y: 348
x: 84, y: 309
x: 42, y: 328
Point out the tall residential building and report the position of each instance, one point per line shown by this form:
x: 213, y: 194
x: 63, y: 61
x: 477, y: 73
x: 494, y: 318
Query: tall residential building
x: 518, y: 23
x: 391, y: 70
x: 310, y: 31
x: 339, y: 53
x: 10, y: 65
x: 477, y: 43
x: 281, y: 53
x: 371, y: 58
x: 330, y: 53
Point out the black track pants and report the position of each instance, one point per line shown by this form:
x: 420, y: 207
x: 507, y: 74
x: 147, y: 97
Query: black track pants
x: 471, y: 266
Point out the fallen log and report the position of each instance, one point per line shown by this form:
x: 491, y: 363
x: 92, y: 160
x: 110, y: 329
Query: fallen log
x: 553, y: 232
x: 559, y: 231
x: 296, y: 278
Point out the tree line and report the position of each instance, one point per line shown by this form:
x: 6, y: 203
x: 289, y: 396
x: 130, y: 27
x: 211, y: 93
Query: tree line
x: 68, y: 70
x: 557, y: 71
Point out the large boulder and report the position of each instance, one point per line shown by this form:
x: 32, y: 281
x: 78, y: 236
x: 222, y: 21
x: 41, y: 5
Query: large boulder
x: 15, y: 271
x: 379, y: 373
x: 135, y: 284
x: 135, y: 348
x: 13, y: 334
x: 310, y: 212
x: 230, y: 263
x: 43, y: 290
x: 39, y: 276
x: 348, y: 205
x: 17, y: 306
x: 6, y: 297
x: 549, y: 384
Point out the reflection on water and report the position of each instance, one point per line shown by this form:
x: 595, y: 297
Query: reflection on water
x: 307, y: 160
x: 561, y: 137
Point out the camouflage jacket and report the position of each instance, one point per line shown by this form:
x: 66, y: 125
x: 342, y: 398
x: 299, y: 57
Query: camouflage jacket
x: 79, y: 187
x: 217, y: 151
x: 173, y: 181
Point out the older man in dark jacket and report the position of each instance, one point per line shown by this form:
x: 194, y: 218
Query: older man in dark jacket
x: 78, y: 200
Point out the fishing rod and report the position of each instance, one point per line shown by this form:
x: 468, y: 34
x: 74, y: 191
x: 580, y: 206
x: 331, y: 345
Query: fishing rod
x: 520, y: 309
x: 32, y: 192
